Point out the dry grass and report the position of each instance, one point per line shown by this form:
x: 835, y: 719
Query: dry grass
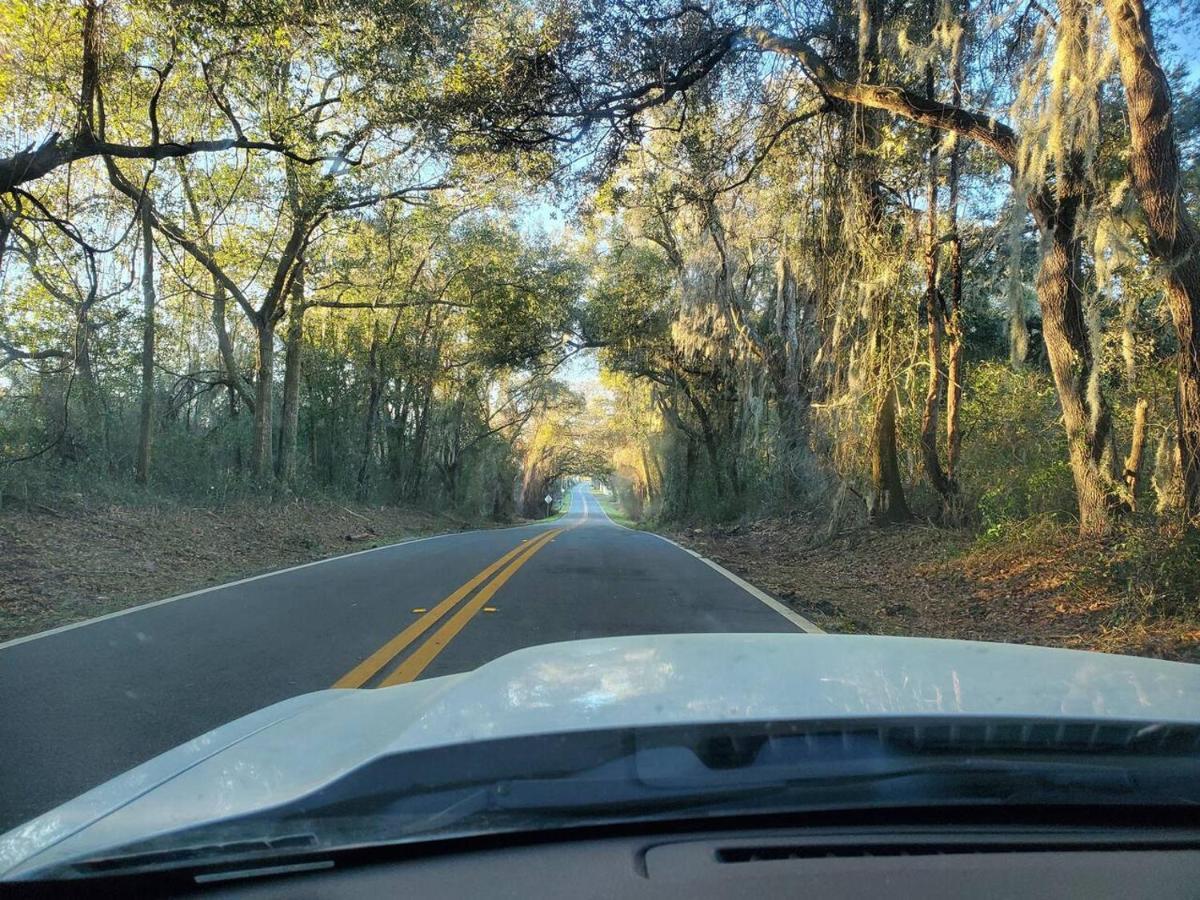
x: 78, y: 559
x: 1046, y: 588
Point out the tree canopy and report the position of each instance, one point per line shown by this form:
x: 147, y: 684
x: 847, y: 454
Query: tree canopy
x: 828, y: 255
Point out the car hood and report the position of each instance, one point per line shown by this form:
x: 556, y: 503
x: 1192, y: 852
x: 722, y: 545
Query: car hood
x: 288, y: 750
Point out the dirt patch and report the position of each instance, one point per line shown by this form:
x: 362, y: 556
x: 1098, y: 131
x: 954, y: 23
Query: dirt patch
x: 931, y: 582
x: 77, y: 560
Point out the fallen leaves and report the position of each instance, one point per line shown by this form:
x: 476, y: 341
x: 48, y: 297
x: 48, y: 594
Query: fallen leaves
x: 925, y: 581
x: 78, y: 561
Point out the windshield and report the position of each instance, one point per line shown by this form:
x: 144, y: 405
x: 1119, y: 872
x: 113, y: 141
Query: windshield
x: 476, y: 351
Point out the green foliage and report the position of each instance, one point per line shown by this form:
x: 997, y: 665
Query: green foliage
x: 1014, y: 456
x: 753, y: 281
x: 1158, y: 569
x: 520, y: 299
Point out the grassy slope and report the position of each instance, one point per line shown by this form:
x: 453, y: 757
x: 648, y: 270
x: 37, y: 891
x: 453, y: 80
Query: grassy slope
x: 615, y: 512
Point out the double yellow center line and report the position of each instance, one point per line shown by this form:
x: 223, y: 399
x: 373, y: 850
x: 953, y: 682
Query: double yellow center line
x: 422, y: 656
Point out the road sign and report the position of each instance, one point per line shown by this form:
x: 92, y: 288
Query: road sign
x: 549, y: 499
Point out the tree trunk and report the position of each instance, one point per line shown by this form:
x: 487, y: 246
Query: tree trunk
x: 146, y: 415
x: 1069, y: 350
x: 398, y: 461
x: 954, y: 358
x: 689, y: 473
x: 647, y: 479
x: 658, y: 473
x: 1056, y: 208
x: 709, y: 435
x: 260, y: 447
x: 289, y: 415
x: 933, y: 314
x: 234, y: 411
x: 786, y: 369
x: 1137, y: 446
x: 1018, y: 329
x: 374, y: 390
x: 954, y: 322
x: 420, y: 433
x: 887, y: 503
x: 233, y: 377
x: 89, y: 389
x: 1173, y: 239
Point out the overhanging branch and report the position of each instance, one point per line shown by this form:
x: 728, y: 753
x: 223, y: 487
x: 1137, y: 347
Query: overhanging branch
x: 35, y: 162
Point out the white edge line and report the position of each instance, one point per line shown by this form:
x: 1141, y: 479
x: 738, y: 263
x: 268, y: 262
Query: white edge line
x: 788, y: 613
x: 229, y: 584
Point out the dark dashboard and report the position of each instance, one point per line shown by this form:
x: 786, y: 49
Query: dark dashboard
x: 887, y: 862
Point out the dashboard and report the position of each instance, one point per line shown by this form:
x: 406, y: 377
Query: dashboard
x: 926, y: 863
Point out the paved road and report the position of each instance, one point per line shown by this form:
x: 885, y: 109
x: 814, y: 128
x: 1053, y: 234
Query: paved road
x: 83, y: 704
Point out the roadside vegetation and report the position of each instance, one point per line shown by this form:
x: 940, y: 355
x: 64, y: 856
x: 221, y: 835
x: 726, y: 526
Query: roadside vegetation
x: 615, y: 510
x: 913, y: 289
x: 86, y: 556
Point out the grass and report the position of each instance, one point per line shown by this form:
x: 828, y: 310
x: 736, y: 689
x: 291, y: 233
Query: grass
x: 614, y: 512
x: 562, y: 512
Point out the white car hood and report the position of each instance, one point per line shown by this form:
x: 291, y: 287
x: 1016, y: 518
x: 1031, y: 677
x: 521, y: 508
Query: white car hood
x: 288, y: 750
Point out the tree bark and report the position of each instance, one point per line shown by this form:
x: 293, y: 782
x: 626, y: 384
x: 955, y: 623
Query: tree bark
x: 973, y: 124
x: 888, y: 505
x: 260, y: 446
x: 374, y: 391
x: 1137, y: 446
x: 933, y: 311
x: 1069, y: 350
x: 289, y: 416
x: 89, y: 388
x: 787, y: 368
x: 954, y: 322
x: 1172, y: 236
x: 149, y: 301
x: 420, y: 438
x: 709, y: 435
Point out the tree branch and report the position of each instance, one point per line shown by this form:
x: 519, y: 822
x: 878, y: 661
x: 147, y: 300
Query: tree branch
x: 35, y: 162
x: 907, y: 104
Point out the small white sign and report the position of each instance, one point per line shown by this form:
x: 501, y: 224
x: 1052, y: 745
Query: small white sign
x: 549, y: 499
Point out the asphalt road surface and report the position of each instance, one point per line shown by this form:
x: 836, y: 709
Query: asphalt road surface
x: 82, y: 704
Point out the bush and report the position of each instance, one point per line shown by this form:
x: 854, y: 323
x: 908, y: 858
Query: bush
x: 1158, y: 570
x: 1014, y: 457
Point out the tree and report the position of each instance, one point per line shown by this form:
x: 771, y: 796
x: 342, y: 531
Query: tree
x: 149, y: 301
x: 1171, y: 233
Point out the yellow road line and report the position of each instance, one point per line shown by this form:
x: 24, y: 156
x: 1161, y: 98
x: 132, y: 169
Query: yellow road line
x: 365, y: 670
x: 424, y: 655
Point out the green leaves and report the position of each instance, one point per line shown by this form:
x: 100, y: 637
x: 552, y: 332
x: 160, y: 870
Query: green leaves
x: 519, y: 298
